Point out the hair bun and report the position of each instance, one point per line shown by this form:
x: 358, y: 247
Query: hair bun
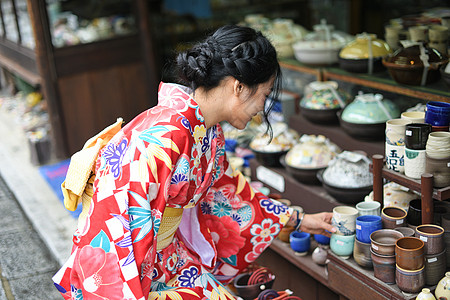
x: 194, y: 64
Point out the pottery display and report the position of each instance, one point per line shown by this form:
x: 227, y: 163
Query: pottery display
x: 443, y: 287
x: 366, y: 116
x: 406, y: 66
x: 383, y: 241
x: 322, y: 100
x: 364, y: 54
x: 322, y: 46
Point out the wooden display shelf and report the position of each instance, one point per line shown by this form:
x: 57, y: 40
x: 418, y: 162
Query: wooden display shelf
x: 354, y: 282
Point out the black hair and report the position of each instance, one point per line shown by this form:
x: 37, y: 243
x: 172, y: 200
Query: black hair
x: 232, y: 50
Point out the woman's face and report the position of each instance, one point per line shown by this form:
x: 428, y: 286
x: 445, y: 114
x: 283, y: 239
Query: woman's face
x: 249, y: 103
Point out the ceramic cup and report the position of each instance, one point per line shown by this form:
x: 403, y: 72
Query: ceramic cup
x: 365, y: 225
x: 393, y: 217
x: 432, y: 236
x: 383, y: 267
x: 285, y: 233
x: 415, y: 163
x: 406, y: 231
x: 414, y: 215
x: 344, y: 219
x: 322, y: 239
x: 300, y: 242
x: 395, y: 157
x: 416, y: 135
x: 414, y: 116
x: 418, y: 33
x: 383, y: 241
x: 440, y: 169
x: 395, y: 131
x: 368, y: 208
x: 437, y: 113
x: 410, y: 253
x: 410, y: 281
x: 438, y: 36
x: 435, y: 267
x: 342, y: 245
x: 361, y: 254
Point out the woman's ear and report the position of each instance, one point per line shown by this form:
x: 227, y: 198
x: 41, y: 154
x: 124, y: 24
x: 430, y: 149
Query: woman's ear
x: 237, y: 87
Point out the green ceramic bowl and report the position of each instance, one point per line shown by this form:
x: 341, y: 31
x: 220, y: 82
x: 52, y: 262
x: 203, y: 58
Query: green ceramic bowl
x: 370, y: 109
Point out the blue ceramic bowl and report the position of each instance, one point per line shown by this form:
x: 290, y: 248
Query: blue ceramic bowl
x: 437, y: 113
x: 300, y: 241
x: 322, y: 239
x: 365, y: 225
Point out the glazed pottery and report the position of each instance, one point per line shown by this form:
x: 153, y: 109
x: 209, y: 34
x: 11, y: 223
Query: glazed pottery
x: 433, y: 237
x: 415, y: 163
x: 405, y: 65
x: 395, y: 157
x: 368, y: 208
x: 361, y: 254
x: 365, y: 225
x: 410, y: 253
x: 344, y: 219
x: 425, y: 294
x: 393, y: 217
x: 438, y: 145
x: 410, y: 281
x: 319, y: 255
x: 406, y: 231
x: 443, y: 287
x: 395, y: 195
x: 383, y: 241
x: 414, y: 116
x: 418, y: 33
x: 437, y: 113
x: 438, y: 38
x: 300, y: 242
x: 435, y: 267
x: 416, y: 135
x: 395, y: 131
x: 285, y: 233
x: 370, y: 109
x: 414, y: 216
x: 250, y: 292
x: 383, y: 267
x: 322, y: 239
x: 342, y: 245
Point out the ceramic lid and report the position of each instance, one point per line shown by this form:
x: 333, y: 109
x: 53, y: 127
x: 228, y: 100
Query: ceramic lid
x: 324, y: 95
x: 283, y: 139
x: 364, y: 46
x: 312, y: 152
x: 348, y: 170
x: 370, y: 109
x: 324, y: 37
x: 414, y: 56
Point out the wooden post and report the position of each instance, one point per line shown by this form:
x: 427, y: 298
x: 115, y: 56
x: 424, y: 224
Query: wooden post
x: 427, y: 198
x: 378, y: 191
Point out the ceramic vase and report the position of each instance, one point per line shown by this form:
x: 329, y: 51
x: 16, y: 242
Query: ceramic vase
x: 425, y: 294
x: 319, y: 255
x: 443, y: 287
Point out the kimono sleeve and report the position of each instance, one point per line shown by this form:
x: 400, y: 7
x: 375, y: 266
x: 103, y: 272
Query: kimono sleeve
x: 243, y: 222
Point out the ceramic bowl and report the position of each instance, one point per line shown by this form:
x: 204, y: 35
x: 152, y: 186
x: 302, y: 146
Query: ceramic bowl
x: 370, y: 131
x: 383, y: 267
x: 361, y: 254
x: 344, y: 195
x: 300, y: 241
x: 361, y: 65
x: 269, y: 159
x: 393, y: 217
x: 250, y: 292
x: 303, y: 175
x: 370, y: 109
x: 383, y: 241
x: 410, y: 281
x: 406, y: 67
x: 410, y: 253
x: 322, y: 239
x: 432, y: 236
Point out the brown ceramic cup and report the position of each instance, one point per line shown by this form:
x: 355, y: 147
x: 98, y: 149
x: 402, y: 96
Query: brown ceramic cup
x: 410, y: 281
x: 435, y: 267
x: 410, y: 253
x: 383, y: 241
x: 432, y: 236
x: 383, y: 267
x: 393, y: 217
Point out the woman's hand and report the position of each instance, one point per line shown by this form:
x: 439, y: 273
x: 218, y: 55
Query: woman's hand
x: 319, y: 223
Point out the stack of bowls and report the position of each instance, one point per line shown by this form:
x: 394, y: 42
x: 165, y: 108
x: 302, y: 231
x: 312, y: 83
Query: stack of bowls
x: 410, y: 264
x: 365, y: 225
x: 435, y: 254
x: 437, y: 158
x: 382, y: 252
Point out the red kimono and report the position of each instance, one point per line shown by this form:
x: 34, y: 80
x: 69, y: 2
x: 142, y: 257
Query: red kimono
x: 165, y: 162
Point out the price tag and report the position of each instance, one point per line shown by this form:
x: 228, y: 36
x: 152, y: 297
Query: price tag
x: 424, y: 238
x: 375, y: 247
x: 399, y: 222
x: 358, y: 226
x: 432, y: 259
x: 340, y: 243
x: 408, y: 132
x: 270, y: 178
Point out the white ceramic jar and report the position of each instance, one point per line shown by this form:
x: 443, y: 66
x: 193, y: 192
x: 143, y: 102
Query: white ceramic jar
x: 425, y: 294
x: 443, y: 287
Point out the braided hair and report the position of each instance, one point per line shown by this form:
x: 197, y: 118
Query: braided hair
x: 232, y: 50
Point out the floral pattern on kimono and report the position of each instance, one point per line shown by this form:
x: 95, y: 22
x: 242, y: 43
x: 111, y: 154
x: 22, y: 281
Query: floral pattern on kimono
x: 166, y: 157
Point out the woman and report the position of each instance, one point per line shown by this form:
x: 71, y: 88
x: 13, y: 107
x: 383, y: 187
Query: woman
x: 169, y: 217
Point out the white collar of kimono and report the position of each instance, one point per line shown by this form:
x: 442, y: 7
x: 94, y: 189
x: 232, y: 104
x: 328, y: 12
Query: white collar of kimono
x: 190, y: 231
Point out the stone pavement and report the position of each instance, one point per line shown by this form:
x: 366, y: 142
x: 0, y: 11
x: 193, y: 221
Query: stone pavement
x: 35, y: 229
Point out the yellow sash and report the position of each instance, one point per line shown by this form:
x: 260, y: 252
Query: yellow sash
x: 170, y: 221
